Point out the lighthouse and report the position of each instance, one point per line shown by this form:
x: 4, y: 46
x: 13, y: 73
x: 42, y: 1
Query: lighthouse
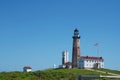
x: 76, y: 49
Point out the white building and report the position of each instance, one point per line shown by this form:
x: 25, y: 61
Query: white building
x: 90, y: 62
x: 65, y: 57
x: 65, y: 60
x: 27, y: 69
x: 66, y: 65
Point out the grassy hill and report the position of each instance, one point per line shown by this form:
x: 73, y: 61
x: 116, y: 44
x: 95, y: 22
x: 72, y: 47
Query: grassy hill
x: 51, y: 74
x: 111, y: 71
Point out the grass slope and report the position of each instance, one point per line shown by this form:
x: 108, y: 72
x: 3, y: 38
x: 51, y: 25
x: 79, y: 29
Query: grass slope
x: 49, y: 74
x: 108, y: 70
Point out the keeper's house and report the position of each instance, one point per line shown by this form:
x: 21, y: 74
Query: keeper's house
x: 90, y: 62
x: 27, y: 69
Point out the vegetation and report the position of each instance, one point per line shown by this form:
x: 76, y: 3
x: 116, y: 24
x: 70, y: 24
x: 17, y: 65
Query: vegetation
x: 49, y: 74
x: 108, y: 70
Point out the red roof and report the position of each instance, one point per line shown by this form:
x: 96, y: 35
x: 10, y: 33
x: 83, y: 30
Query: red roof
x: 92, y: 58
x: 27, y: 67
x: 68, y: 63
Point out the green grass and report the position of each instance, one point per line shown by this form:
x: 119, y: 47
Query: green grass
x: 50, y: 74
x: 108, y: 70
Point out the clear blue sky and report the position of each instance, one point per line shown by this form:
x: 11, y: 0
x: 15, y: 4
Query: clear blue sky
x: 35, y: 32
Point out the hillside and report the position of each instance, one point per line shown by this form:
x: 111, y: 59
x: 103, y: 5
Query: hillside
x: 51, y: 74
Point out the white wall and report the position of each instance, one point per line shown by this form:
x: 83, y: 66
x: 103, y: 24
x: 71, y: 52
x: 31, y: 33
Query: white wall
x: 83, y: 63
x: 65, y: 55
x: 28, y: 70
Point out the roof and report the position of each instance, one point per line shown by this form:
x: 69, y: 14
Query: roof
x: 76, y: 30
x: 27, y: 67
x: 68, y: 63
x: 92, y: 58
